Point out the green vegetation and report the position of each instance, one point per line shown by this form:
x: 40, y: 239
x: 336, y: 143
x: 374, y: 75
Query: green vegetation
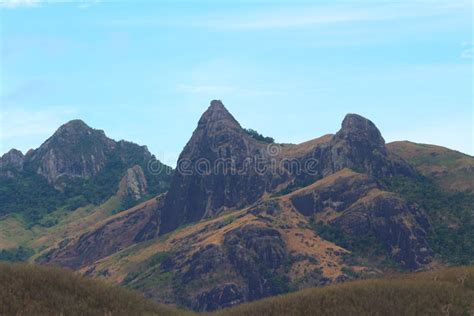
x: 30, y: 195
x: 38, y: 290
x: 148, y: 273
x: 451, y: 214
x: 256, y: 135
x: 29, y: 289
x: 16, y: 254
x: 449, y: 292
x: 366, y: 245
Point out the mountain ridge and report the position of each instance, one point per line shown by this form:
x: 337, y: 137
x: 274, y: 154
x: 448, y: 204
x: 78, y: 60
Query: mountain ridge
x: 332, y: 209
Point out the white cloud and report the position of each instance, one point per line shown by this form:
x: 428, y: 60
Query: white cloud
x: 295, y: 16
x: 82, y: 4
x: 19, y: 3
x: 468, y: 50
x: 467, y: 53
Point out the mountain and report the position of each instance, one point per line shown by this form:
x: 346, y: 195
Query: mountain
x: 219, y: 146
x: 242, y: 217
x: 239, y: 167
x: 77, y: 166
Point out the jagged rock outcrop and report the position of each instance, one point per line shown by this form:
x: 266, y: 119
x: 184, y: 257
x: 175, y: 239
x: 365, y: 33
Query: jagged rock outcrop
x: 358, y: 207
x: 222, y: 167
x: 74, y: 150
x: 216, y: 170
x: 133, y: 185
x: 11, y: 162
x: 76, y: 166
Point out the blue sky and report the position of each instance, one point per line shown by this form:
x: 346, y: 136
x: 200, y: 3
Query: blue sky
x: 144, y: 71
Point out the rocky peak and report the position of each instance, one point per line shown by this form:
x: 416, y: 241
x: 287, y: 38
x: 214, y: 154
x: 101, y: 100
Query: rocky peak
x: 75, y: 149
x: 218, y: 115
x: 73, y: 126
x: 357, y: 128
x: 12, y: 160
x: 220, y: 146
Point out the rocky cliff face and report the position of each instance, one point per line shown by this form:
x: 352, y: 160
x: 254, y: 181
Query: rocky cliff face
x: 216, y: 171
x: 11, y: 162
x: 266, y: 227
x: 78, y: 165
x: 359, y: 209
x: 74, y: 150
x: 222, y: 167
x: 134, y: 184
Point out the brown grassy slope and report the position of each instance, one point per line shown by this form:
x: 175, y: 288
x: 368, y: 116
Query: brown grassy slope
x: 452, y: 170
x: 448, y: 292
x: 39, y: 290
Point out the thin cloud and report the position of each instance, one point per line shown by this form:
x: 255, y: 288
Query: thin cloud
x: 11, y: 4
x: 19, y: 3
x: 468, y: 50
x: 303, y: 16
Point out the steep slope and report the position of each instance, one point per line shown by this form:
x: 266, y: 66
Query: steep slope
x: 359, y: 212
x: 268, y: 248
x: 222, y: 167
x: 215, y: 171
x: 450, y: 169
x: 76, y: 166
x: 245, y: 219
x: 106, y: 237
x: 36, y: 290
x: 74, y: 150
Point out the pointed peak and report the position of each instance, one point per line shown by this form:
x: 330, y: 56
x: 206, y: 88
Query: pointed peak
x: 13, y: 158
x: 77, y: 127
x: 217, y: 112
x: 13, y: 152
x: 217, y: 104
x: 76, y: 124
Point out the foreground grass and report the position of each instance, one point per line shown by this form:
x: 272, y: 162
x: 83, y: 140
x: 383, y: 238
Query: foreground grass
x: 38, y: 290
x: 448, y: 292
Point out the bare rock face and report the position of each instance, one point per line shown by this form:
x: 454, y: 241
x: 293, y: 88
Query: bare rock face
x: 134, y: 184
x: 10, y: 162
x: 358, y: 145
x: 212, y: 174
x: 74, y: 150
x: 358, y: 207
x: 214, y: 171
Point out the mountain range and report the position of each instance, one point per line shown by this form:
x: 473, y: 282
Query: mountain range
x: 241, y: 217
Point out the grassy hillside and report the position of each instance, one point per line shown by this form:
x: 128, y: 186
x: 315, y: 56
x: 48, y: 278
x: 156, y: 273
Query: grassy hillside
x: 450, y: 169
x: 39, y: 290
x: 450, y: 292
x: 27, y: 290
